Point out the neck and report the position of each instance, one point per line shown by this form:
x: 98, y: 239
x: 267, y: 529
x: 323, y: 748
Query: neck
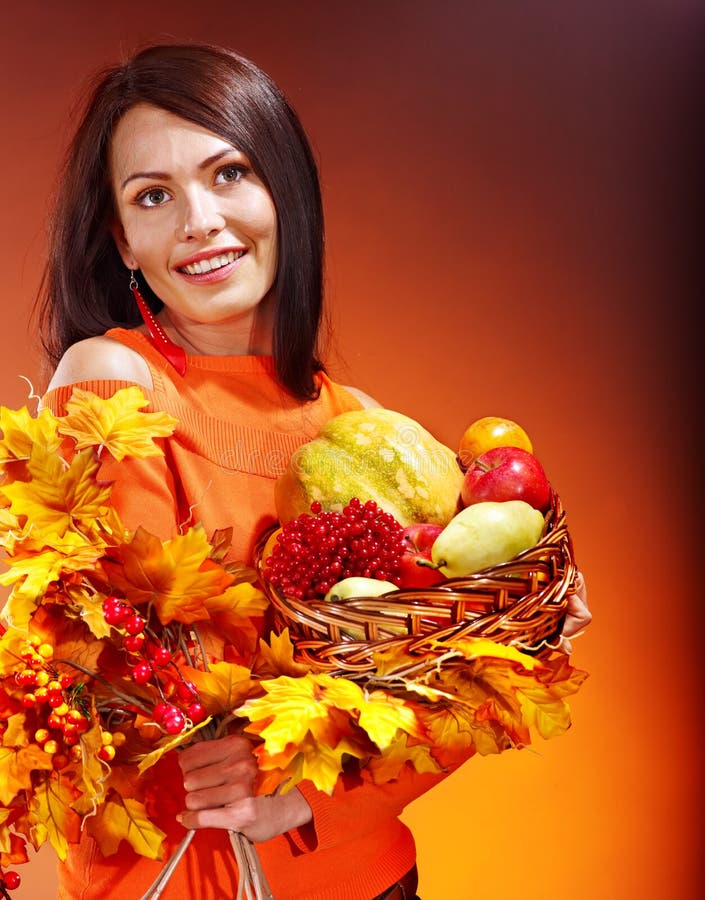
x: 251, y: 336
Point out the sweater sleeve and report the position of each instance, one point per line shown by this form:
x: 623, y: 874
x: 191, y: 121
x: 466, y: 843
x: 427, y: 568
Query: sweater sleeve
x: 357, y: 805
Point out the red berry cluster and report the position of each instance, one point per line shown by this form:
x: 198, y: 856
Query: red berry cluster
x: 152, y: 662
x: 8, y: 882
x: 51, y: 695
x: 314, y: 552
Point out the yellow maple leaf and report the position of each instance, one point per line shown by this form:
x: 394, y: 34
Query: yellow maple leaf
x: 122, y: 818
x: 22, y: 431
x: 16, y: 768
x: 59, y: 497
x: 295, y: 706
x: 51, y: 803
x: 34, y: 574
x: 322, y: 764
x: 177, y: 576
x: 93, y: 773
x: 116, y: 423
x: 383, y: 716
x: 183, y: 738
x: 277, y: 656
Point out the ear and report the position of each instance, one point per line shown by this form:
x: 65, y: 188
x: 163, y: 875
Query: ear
x: 118, y: 233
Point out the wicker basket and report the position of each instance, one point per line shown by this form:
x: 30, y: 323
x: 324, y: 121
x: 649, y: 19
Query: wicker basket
x: 521, y: 602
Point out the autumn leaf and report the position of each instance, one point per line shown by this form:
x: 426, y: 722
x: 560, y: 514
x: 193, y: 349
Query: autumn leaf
x: 383, y: 716
x: 93, y: 773
x: 278, y: 656
x: 59, y: 497
x: 13, y: 849
x: 322, y: 764
x: 182, y: 738
x: 15, y: 735
x: 121, y: 818
x: 299, y: 705
x: 116, y: 423
x: 51, y: 803
x: 16, y: 768
x: 177, y: 576
x: 222, y: 688
x: 387, y: 766
x: 35, y: 573
x: 244, y: 600
x: 22, y: 431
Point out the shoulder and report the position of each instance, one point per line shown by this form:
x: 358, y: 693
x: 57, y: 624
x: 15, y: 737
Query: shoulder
x: 100, y: 359
x: 367, y: 401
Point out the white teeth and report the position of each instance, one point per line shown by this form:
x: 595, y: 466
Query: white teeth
x: 215, y: 262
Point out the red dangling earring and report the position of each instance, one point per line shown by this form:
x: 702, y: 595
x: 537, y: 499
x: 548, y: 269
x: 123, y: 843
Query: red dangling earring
x: 171, y: 351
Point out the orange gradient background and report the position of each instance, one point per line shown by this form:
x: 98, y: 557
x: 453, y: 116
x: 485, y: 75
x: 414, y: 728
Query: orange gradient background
x: 507, y: 189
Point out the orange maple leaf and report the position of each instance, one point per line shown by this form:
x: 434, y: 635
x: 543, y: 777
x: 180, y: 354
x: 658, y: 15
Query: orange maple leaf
x: 177, y: 576
x: 223, y: 687
x: 17, y: 767
x: 116, y: 423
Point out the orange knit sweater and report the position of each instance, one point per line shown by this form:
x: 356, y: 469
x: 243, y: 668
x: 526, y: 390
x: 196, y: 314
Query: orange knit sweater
x: 237, y: 429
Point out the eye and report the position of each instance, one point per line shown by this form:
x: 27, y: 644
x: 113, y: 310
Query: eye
x: 152, y: 197
x: 230, y: 174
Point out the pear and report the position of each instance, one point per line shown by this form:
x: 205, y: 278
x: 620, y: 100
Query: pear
x: 486, y: 534
x: 357, y: 586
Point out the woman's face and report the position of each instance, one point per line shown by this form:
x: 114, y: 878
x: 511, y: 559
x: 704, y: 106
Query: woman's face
x: 193, y: 217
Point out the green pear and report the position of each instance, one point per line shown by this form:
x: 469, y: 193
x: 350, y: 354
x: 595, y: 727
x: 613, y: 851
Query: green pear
x: 486, y: 534
x: 357, y: 586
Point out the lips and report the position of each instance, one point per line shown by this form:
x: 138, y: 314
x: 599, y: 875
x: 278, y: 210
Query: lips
x: 211, y: 263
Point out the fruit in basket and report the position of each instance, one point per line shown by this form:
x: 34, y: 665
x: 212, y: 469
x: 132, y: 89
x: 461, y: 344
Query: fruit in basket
x: 414, y: 570
x: 507, y: 473
x: 373, y: 454
x: 486, y: 534
x: 488, y: 432
x: 359, y: 587
x: 313, y: 552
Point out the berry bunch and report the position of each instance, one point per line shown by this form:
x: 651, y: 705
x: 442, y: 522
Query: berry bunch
x: 9, y: 881
x: 151, y: 662
x: 314, y: 552
x: 55, y: 700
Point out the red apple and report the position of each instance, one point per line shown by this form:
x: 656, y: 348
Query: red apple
x: 418, y: 540
x: 507, y: 473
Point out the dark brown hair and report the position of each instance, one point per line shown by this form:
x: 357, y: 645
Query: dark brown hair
x: 85, y: 287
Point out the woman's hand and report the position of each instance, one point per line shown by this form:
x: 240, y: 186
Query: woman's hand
x: 219, y: 778
x: 578, y: 615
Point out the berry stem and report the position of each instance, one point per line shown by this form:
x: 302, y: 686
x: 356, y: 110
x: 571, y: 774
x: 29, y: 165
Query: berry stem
x: 131, y: 701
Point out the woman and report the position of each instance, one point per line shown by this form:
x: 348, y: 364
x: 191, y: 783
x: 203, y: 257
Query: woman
x: 190, y: 193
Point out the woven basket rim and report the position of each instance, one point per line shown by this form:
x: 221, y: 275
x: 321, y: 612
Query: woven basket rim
x: 521, y: 602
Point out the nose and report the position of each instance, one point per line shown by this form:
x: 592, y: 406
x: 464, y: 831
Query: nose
x: 199, y: 218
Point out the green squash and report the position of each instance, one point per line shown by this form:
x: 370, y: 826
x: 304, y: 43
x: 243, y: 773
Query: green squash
x: 373, y: 454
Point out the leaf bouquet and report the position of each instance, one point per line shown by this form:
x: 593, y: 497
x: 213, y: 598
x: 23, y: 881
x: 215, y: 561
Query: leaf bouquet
x: 114, y: 642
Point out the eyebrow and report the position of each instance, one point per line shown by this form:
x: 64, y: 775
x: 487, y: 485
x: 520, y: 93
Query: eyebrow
x: 164, y: 176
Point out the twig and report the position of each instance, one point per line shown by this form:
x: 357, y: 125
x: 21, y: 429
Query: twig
x: 155, y: 889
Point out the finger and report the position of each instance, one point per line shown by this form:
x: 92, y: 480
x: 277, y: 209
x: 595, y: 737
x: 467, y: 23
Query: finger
x: 214, y: 797
x: 238, y: 816
x: 206, y: 753
x: 232, y: 770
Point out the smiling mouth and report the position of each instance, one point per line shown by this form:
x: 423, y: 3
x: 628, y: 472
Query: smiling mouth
x: 212, y: 264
